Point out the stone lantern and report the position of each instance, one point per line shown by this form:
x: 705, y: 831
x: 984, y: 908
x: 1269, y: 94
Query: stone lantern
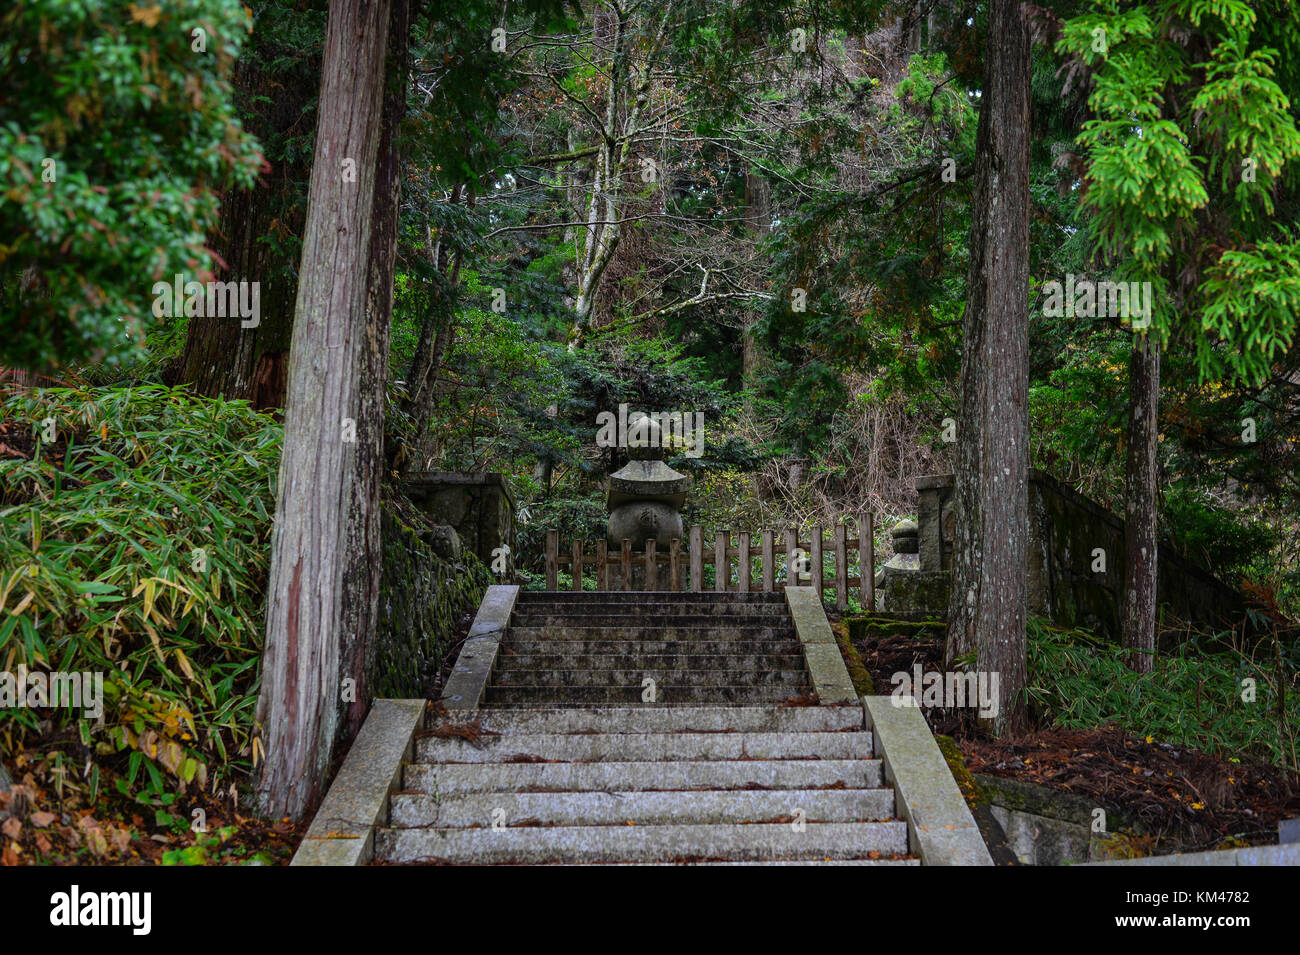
x: 645, y: 495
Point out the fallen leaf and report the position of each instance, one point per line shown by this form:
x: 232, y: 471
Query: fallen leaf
x: 42, y: 819
x: 146, y: 15
x: 121, y: 839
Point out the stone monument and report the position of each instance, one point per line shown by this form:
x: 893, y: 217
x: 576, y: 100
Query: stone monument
x: 645, y: 495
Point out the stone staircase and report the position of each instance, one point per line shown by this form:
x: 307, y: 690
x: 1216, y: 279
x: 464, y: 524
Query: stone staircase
x: 644, y: 784
x: 645, y: 728
x: 704, y: 765
x: 663, y: 648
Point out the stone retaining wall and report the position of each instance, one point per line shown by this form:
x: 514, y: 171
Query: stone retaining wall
x: 479, y: 506
x: 1065, y: 530
x: 422, y: 598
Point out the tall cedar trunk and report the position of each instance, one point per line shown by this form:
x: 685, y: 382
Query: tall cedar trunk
x: 221, y: 358
x: 1140, y: 510
x: 987, y: 607
x: 364, y: 554
x: 298, y: 706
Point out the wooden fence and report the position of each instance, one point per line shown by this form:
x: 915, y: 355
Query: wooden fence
x: 728, y: 561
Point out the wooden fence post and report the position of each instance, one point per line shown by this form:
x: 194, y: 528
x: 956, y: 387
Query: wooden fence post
x: 675, y: 564
x: 841, y: 566
x: 769, y: 564
x: 602, y: 566
x: 742, y: 563
x: 627, y: 564
x: 867, y: 561
x: 697, y: 559
x: 791, y: 542
x: 721, y: 565
x: 651, y: 566
x: 552, y: 560
x: 577, y: 566
x: 815, y: 552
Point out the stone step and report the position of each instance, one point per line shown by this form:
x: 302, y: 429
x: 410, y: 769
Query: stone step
x: 593, y: 675
x: 579, y: 657
x: 623, y: 621
x: 883, y: 860
x: 645, y: 747
x: 789, y: 646
x: 433, y: 779
x: 594, y: 844
x: 667, y: 608
x: 720, y: 632
x: 649, y: 596
x: 665, y: 694
x: 680, y: 719
x: 410, y: 810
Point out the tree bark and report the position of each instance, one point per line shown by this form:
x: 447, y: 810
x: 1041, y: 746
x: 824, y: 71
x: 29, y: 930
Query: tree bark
x: 298, y: 706
x: 364, y: 550
x: 1141, y: 474
x: 986, y: 613
x: 221, y: 358
x: 626, y: 98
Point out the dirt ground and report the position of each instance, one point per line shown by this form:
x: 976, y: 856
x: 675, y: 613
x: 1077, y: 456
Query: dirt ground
x: 1185, y: 799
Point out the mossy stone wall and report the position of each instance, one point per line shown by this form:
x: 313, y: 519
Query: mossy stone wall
x: 1066, y: 580
x: 422, y: 600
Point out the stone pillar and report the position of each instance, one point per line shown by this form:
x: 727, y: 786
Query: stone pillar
x: 933, y: 490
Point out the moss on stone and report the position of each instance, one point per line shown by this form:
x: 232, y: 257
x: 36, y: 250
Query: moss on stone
x: 970, y: 789
x: 863, y: 685
x: 1026, y: 797
x: 873, y: 626
x: 422, y: 597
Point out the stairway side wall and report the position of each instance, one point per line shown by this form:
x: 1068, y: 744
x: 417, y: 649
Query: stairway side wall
x: 422, y: 600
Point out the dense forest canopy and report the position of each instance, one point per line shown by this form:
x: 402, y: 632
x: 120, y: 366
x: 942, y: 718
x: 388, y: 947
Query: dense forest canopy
x: 819, y: 224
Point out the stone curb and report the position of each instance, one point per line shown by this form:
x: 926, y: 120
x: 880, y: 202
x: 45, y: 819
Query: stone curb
x: 941, y: 829
x: 830, y: 677
x: 1247, y: 855
x: 342, y: 831
x: 473, y: 669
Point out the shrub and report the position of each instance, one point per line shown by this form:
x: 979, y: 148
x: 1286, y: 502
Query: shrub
x: 137, y: 544
x: 1193, y: 698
